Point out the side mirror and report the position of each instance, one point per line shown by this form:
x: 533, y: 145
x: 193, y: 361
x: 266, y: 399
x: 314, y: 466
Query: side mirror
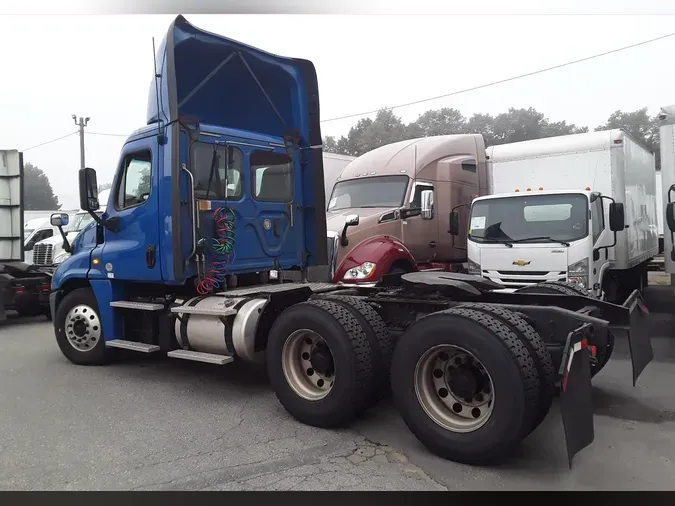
x: 670, y: 215
x: 617, y: 219
x: 427, y: 199
x: 352, y: 220
x: 454, y: 223
x: 88, y: 190
x: 59, y: 219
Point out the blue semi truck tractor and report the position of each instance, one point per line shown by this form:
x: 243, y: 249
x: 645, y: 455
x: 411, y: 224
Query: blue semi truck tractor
x: 213, y: 247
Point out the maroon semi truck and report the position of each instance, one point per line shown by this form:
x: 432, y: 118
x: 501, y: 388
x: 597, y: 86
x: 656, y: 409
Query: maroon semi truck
x: 389, y: 210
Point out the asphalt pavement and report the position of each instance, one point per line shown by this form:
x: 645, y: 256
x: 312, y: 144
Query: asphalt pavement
x: 152, y: 423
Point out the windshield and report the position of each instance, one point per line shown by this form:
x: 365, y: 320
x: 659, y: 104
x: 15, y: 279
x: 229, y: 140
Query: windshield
x: 541, y: 218
x: 380, y: 191
x: 79, y: 222
x: 27, y: 232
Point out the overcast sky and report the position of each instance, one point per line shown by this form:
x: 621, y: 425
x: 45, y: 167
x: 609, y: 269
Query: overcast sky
x: 101, y: 67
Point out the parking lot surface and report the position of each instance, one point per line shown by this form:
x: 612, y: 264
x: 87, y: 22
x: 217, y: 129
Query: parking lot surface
x: 152, y: 423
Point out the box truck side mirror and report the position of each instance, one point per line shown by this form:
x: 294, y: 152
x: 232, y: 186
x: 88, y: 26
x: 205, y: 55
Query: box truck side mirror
x: 454, y: 223
x: 88, y: 190
x: 59, y: 219
x: 617, y: 219
x: 670, y: 215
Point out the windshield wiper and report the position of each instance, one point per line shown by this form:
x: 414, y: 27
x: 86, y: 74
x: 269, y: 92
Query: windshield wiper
x: 550, y: 239
x: 505, y: 242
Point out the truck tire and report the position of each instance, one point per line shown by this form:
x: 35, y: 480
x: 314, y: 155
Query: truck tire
x: 602, y: 354
x: 78, y: 329
x: 537, y: 348
x: 449, y: 360
x: 379, y: 337
x: 319, y: 362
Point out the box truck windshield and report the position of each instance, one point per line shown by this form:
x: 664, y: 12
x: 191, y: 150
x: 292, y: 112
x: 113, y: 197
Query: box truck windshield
x: 530, y: 218
x: 380, y: 191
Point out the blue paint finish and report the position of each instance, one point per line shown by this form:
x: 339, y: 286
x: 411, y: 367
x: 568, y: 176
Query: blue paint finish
x: 233, y: 106
x: 126, y: 250
x: 106, y: 292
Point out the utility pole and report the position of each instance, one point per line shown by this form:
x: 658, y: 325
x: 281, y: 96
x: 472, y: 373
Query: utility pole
x: 82, y: 123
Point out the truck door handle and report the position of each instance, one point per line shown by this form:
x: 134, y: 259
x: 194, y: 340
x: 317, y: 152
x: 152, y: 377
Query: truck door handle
x: 150, y: 256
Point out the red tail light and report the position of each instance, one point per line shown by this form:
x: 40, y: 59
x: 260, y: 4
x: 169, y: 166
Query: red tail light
x: 19, y: 289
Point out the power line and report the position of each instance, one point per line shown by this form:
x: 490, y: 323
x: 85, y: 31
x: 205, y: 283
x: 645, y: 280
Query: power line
x: 501, y: 81
x: 48, y: 142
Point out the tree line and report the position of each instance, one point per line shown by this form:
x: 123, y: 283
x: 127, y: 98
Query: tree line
x: 512, y: 126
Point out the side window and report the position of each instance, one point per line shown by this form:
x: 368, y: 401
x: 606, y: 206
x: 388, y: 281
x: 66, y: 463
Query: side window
x: 416, y: 199
x: 272, y: 176
x: 217, y: 174
x: 134, y: 186
x: 44, y: 234
x: 469, y: 166
x: 597, y: 219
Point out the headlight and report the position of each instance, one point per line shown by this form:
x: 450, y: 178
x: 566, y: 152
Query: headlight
x: 360, y: 271
x: 61, y: 257
x: 578, y: 273
x: 474, y: 268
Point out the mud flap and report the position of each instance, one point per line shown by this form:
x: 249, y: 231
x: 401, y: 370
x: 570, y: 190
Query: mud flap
x: 639, y: 341
x: 576, y: 401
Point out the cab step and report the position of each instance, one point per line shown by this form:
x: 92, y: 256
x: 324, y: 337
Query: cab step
x: 140, y: 306
x: 198, y: 356
x: 226, y: 311
x: 132, y: 345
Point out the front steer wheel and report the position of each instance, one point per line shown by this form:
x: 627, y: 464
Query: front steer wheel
x: 319, y: 363
x: 466, y: 385
x: 78, y: 330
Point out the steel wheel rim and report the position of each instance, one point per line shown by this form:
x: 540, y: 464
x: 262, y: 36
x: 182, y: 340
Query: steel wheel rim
x: 442, y: 375
x: 299, y: 370
x: 82, y: 328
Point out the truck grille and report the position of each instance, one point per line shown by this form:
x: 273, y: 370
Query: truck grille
x: 43, y: 254
x: 514, y: 279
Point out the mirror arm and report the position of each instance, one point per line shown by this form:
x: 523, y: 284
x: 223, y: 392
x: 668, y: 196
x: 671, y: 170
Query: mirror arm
x: 66, y: 245
x: 343, y: 237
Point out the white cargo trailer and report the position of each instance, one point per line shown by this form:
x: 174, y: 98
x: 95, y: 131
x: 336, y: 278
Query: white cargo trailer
x: 547, y: 213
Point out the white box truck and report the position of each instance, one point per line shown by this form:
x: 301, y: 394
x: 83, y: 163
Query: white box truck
x: 575, y: 208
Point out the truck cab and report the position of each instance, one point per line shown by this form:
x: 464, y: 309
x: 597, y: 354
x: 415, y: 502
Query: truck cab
x: 388, y: 211
x: 522, y: 238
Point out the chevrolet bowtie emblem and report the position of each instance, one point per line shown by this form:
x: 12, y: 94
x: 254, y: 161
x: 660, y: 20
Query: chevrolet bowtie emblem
x: 521, y: 263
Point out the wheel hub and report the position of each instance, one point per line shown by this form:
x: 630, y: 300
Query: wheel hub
x: 466, y: 381
x: 322, y: 360
x: 82, y: 328
x: 308, y: 365
x: 454, y: 388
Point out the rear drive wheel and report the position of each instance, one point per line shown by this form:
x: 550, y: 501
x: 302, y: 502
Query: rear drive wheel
x: 78, y: 329
x: 379, y: 337
x: 537, y: 349
x: 565, y: 288
x: 465, y: 385
x: 319, y: 362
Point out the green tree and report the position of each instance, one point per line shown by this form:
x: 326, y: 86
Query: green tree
x: 37, y: 190
x: 444, y: 121
x: 639, y: 125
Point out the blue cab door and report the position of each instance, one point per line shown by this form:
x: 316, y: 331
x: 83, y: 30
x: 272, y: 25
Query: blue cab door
x: 132, y: 253
x: 259, y: 185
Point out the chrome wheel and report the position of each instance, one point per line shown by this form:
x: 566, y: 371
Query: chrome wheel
x: 308, y: 365
x: 454, y: 388
x: 83, y: 328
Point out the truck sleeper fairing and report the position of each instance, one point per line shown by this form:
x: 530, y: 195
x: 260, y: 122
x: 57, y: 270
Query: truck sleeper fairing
x: 209, y: 86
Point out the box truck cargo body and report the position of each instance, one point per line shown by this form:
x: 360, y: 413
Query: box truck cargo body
x: 546, y: 215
